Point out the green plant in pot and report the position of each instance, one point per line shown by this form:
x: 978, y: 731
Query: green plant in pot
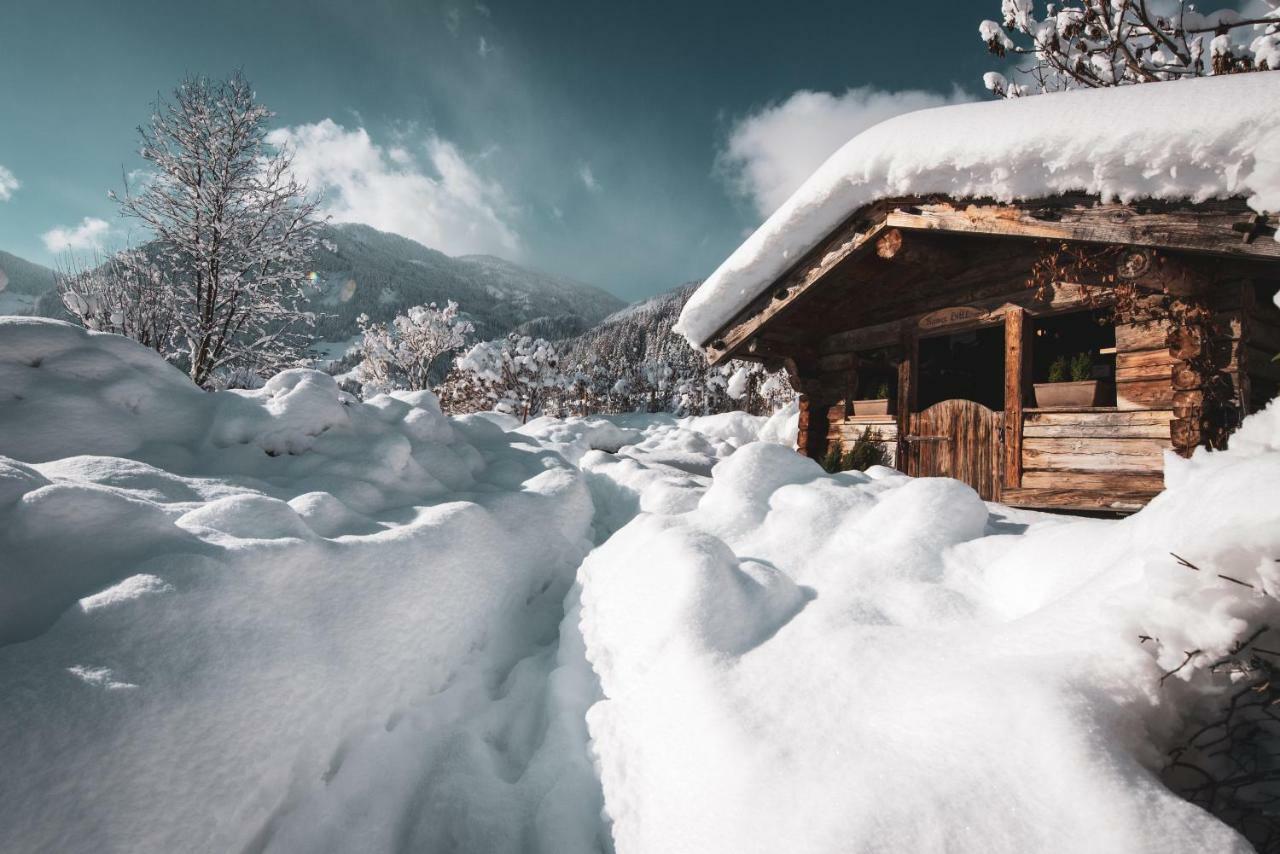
x: 878, y: 405
x: 1071, y: 384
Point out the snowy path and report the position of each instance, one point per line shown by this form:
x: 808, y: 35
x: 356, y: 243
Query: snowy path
x: 284, y: 621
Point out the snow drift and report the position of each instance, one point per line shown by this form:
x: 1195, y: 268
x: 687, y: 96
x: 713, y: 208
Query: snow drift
x: 856, y: 662
x: 287, y: 620
x: 1200, y: 139
x: 279, y: 619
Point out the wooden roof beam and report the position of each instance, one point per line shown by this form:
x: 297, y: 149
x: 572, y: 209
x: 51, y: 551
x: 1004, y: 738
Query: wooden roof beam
x: 1214, y: 230
x: 848, y: 243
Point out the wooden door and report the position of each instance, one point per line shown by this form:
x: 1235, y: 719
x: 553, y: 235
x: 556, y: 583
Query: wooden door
x: 960, y: 439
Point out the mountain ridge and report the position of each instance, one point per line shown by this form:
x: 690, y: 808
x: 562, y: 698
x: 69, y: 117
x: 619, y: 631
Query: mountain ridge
x: 362, y: 270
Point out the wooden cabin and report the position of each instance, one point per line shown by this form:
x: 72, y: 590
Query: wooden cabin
x: 960, y: 311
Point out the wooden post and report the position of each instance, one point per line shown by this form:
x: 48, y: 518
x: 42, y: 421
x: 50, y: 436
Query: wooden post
x: 908, y: 384
x: 802, y: 429
x: 1017, y: 360
x: 811, y: 431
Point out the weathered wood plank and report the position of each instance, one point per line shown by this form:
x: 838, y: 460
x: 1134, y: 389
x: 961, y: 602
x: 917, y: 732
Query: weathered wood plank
x: 1076, y: 499
x: 865, y: 338
x: 1204, y: 230
x: 1125, y: 481
x: 1092, y: 430
x: 1142, y: 336
x: 1145, y: 394
x: 872, y: 420
x: 1098, y: 416
x: 1089, y: 454
x: 1134, y: 365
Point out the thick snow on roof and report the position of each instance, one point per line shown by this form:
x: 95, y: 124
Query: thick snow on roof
x: 1196, y: 140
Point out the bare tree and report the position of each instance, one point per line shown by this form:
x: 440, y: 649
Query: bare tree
x: 233, y: 230
x: 1098, y: 43
x: 123, y: 294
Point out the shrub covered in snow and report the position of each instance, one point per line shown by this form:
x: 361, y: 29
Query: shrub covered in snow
x: 517, y: 375
x: 400, y: 354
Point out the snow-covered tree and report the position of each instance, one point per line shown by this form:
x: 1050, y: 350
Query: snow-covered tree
x: 400, y: 354
x: 125, y: 295
x: 518, y: 374
x: 634, y: 362
x: 1097, y: 43
x: 232, y: 229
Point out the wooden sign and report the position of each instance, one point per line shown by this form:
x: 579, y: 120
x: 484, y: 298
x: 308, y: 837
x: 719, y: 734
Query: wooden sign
x: 945, y: 317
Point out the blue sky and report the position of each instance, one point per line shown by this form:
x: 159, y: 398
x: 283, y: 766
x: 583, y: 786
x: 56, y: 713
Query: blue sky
x: 627, y: 145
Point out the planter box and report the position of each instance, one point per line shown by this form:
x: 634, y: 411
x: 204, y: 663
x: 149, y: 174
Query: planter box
x: 878, y: 406
x: 1082, y: 393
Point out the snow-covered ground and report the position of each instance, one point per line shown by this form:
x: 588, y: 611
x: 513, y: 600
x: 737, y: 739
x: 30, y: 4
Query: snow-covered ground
x: 287, y: 620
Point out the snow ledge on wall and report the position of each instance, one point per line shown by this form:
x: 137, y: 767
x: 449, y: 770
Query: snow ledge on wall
x: 1201, y: 139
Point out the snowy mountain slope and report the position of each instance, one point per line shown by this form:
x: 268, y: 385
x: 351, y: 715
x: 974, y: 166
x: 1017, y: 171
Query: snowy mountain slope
x: 285, y: 620
x: 363, y: 270
x: 22, y: 283
x: 635, y: 332
x: 366, y: 270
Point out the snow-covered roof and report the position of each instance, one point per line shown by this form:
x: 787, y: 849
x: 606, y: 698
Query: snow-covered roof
x: 1198, y: 139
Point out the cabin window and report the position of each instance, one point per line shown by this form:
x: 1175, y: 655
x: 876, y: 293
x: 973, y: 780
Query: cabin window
x: 965, y: 365
x: 876, y: 375
x: 1085, y: 338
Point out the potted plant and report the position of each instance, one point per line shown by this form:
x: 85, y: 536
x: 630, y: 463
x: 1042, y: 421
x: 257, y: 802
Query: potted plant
x: 1070, y: 384
x: 878, y: 405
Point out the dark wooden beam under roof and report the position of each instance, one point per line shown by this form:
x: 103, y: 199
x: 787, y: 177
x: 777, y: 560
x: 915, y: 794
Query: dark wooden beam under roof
x: 1227, y: 229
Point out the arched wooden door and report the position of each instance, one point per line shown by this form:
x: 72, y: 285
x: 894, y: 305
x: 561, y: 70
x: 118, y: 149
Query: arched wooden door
x: 960, y: 439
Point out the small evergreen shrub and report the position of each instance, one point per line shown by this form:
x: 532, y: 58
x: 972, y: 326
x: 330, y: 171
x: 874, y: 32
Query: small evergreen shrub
x: 867, y: 451
x: 1081, y: 367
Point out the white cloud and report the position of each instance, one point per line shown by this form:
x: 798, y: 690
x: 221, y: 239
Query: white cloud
x: 434, y: 196
x: 88, y: 235
x: 8, y: 184
x: 771, y: 152
x: 485, y: 48
x: 588, y: 177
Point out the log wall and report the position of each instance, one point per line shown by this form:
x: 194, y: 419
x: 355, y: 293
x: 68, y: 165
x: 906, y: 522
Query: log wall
x: 1119, y: 451
x: 847, y: 429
